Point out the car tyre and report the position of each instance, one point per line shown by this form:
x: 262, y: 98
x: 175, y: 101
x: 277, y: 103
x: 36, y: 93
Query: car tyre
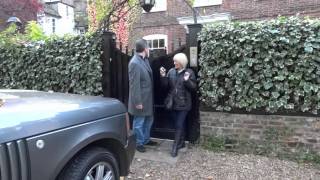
x: 92, y: 164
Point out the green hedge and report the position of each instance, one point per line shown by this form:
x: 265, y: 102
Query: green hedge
x: 272, y: 66
x: 63, y: 65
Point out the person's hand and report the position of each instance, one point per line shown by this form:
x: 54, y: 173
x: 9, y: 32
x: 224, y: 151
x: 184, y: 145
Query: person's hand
x: 139, y: 106
x: 163, y: 72
x: 186, y: 76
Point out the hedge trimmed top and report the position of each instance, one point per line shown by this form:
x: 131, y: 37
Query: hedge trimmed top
x: 70, y: 64
x: 266, y: 65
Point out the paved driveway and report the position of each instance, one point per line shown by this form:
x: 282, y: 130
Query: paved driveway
x: 196, y: 164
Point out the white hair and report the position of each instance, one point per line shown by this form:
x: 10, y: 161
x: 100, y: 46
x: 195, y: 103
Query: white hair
x: 182, y: 59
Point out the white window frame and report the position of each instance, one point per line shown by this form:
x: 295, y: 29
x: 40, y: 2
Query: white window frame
x: 202, y: 3
x: 157, y: 8
x: 157, y: 37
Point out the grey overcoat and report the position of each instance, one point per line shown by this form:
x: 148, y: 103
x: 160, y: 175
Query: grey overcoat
x: 140, y: 87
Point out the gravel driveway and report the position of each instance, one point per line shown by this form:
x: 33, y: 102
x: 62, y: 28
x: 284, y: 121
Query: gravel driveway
x: 197, y: 164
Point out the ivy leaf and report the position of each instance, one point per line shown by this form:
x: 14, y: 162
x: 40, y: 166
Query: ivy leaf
x: 275, y: 95
x: 307, y: 88
x: 219, y: 108
x: 267, y: 85
x: 308, y: 49
x: 227, y: 108
x: 257, y: 86
x: 279, y: 78
x: 289, y: 106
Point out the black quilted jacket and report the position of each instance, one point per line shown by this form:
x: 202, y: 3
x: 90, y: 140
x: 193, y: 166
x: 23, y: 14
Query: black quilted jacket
x: 180, y: 88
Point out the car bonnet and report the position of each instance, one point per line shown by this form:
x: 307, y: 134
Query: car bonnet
x: 27, y: 113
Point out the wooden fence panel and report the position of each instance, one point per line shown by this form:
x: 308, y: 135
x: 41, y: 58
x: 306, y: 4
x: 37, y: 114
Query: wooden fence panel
x: 115, y: 69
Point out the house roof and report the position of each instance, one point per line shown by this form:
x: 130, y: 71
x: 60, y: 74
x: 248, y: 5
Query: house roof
x: 51, y: 9
x: 66, y: 2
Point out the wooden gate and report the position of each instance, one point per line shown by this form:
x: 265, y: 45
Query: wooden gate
x: 115, y: 69
x: 163, y: 126
x: 116, y: 85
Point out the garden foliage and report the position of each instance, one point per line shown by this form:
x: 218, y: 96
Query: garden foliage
x: 265, y: 65
x: 68, y: 64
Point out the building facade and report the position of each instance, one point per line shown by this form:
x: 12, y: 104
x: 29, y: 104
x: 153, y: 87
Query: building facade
x: 57, y: 17
x: 165, y: 26
x: 265, y: 9
x: 81, y: 16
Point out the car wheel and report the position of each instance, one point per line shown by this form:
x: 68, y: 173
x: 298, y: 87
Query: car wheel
x: 92, y: 164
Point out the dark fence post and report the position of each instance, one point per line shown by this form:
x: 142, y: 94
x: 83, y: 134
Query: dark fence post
x: 119, y: 70
x: 114, y: 73
x: 193, y: 55
x: 125, y: 77
x: 192, y: 45
x: 108, y: 47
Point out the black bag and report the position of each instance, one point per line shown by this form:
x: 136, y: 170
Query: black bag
x: 168, y: 102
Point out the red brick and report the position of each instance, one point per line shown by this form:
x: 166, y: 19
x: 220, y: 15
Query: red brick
x: 166, y: 22
x: 261, y: 9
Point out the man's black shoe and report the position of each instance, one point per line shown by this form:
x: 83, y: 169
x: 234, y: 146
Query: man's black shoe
x: 141, y: 149
x: 152, y: 143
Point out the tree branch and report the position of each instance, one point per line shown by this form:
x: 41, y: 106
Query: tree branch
x: 117, y: 7
x: 195, y: 12
x: 23, y: 9
x: 118, y: 17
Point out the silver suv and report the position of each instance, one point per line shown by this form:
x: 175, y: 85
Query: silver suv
x: 47, y: 136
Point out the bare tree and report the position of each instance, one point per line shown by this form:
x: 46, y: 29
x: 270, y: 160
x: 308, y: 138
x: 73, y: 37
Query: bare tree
x: 113, y: 10
x: 194, y: 10
x: 114, y: 15
x: 25, y: 10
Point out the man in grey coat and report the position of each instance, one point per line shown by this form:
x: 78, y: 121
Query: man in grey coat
x: 141, y: 95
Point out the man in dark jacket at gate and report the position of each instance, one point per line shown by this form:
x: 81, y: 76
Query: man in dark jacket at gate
x: 141, y: 95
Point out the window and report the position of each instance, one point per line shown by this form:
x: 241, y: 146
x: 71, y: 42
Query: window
x: 157, y: 41
x: 156, y: 44
x: 160, y: 5
x: 53, y: 25
x: 200, y: 3
x: 82, y: 31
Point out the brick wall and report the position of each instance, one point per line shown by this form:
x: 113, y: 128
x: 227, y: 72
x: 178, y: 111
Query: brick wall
x: 165, y: 22
x: 175, y: 9
x: 261, y: 9
x: 303, y: 131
